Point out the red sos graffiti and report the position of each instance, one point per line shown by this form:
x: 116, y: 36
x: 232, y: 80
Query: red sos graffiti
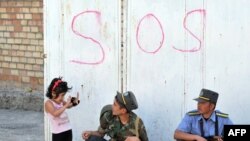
x: 97, y: 16
x: 147, y: 18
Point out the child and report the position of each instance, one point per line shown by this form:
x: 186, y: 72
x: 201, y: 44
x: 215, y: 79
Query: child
x: 55, y: 108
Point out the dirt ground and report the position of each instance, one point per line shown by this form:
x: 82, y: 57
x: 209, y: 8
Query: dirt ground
x: 20, y: 125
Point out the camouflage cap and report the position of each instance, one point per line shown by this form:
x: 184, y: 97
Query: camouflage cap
x: 207, y: 95
x: 127, y: 100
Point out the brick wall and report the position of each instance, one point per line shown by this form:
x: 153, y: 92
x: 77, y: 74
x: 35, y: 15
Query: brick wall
x: 21, y: 44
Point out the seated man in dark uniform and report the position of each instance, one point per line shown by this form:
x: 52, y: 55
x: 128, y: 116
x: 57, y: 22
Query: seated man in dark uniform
x: 119, y: 122
x: 205, y: 123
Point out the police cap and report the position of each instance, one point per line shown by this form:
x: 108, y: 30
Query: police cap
x: 207, y: 95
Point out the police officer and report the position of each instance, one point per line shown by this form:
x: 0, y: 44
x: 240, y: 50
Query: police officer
x: 119, y: 122
x: 205, y: 123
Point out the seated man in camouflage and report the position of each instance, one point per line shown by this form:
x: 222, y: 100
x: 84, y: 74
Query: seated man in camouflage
x: 119, y: 122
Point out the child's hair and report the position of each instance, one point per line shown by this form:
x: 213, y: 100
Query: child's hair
x: 57, y: 86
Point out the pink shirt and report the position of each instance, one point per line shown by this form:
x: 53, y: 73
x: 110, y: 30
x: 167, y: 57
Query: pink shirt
x: 61, y: 123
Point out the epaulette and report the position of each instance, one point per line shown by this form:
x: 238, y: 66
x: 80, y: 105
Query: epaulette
x: 220, y: 114
x: 193, y: 113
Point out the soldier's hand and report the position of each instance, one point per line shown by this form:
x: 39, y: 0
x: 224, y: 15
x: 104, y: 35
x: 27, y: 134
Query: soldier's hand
x: 218, y: 138
x: 86, y: 135
x: 199, y: 138
x: 132, y: 138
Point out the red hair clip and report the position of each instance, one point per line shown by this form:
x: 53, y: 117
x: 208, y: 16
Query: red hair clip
x: 56, y: 84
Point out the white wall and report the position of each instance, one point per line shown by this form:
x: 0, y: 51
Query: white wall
x: 173, y: 49
x: 82, y: 45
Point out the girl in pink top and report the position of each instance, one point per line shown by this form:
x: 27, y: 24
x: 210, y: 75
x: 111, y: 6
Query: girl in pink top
x: 55, y: 108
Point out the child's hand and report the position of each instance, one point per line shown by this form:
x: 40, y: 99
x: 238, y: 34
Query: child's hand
x: 68, y: 102
x: 75, y: 100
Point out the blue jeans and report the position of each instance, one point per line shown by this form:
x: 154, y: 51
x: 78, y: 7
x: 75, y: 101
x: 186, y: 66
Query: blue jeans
x: 95, y: 138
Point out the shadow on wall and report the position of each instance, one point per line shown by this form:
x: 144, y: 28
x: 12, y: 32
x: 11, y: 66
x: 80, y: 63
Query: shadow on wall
x: 17, y: 99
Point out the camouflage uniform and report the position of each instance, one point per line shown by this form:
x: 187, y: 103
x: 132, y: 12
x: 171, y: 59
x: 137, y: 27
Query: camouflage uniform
x: 112, y: 126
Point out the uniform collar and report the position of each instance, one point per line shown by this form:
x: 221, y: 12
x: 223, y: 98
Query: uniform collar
x: 212, y: 117
x: 132, y: 116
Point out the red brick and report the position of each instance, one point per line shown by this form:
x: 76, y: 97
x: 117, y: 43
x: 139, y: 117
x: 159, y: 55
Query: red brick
x: 16, y: 22
x: 9, y: 10
x: 40, y: 23
x: 12, y: 16
x: 34, y: 81
x: 18, y: 28
x: 4, y: 4
x: 11, y: 3
x: 32, y: 22
x: 4, y: 77
x: 14, y: 78
x: 37, y: 16
x: 16, y: 9
x: 7, y: 22
x: 6, y: 71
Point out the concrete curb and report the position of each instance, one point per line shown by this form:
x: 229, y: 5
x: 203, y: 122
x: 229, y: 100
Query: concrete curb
x: 17, y: 99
